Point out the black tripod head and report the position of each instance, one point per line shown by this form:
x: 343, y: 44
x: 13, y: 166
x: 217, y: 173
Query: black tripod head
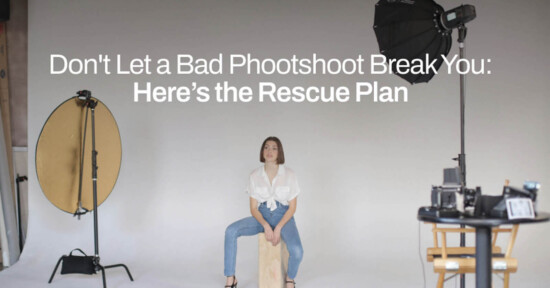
x: 86, y: 96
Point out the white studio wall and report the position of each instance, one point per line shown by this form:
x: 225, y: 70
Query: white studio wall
x: 364, y: 168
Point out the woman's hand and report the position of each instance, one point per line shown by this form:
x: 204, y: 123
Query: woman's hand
x: 268, y: 233
x: 276, y: 236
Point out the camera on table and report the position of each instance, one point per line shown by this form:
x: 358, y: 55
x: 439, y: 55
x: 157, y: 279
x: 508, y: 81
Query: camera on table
x: 450, y: 198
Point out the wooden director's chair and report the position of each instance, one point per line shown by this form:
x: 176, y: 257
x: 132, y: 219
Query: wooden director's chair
x: 461, y: 260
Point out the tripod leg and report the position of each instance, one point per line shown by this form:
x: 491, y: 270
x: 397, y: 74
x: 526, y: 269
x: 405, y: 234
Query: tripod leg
x: 55, y: 270
x: 103, y: 275
x: 121, y: 265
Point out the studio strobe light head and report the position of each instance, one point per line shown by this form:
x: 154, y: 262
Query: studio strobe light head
x: 458, y: 16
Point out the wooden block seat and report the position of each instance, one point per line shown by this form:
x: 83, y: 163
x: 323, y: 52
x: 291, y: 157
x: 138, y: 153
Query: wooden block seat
x: 272, y: 263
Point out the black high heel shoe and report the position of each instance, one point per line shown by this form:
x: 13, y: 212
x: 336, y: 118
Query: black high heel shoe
x: 290, y: 281
x: 234, y: 285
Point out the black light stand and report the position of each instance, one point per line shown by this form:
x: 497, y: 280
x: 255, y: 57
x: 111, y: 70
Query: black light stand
x: 90, y: 104
x: 462, y: 156
x: 462, y: 30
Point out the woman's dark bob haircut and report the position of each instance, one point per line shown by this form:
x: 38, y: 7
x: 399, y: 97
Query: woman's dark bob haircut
x: 280, y: 154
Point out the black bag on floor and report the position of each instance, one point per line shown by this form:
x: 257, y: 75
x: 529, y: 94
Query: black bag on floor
x: 78, y: 264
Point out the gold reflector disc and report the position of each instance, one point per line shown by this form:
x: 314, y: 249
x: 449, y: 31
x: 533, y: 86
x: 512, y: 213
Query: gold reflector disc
x: 59, y: 152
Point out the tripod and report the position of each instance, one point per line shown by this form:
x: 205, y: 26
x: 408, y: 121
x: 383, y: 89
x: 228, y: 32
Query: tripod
x: 87, y: 264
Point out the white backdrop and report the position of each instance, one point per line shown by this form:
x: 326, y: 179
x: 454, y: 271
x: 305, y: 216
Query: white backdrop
x: 364, y: 168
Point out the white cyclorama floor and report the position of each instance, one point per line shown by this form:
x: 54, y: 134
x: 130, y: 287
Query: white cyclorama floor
x: 32, y: 272
x: 171, y: 272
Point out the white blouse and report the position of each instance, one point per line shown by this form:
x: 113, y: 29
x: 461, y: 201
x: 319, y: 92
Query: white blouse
x: 284, y: 188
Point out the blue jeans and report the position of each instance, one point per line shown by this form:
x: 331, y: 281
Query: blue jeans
x: 250, y: 226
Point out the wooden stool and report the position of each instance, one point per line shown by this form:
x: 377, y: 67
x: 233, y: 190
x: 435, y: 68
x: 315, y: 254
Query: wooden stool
x: 273, y: 261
